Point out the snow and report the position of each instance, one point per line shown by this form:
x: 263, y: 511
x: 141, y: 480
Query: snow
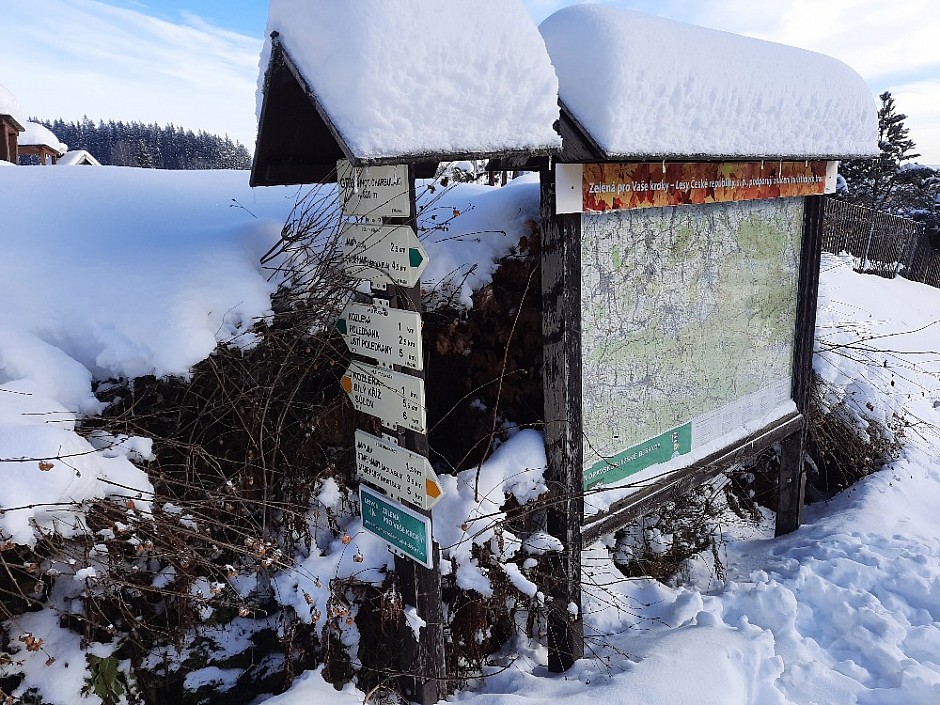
x: 414, y: 621
x: 112, y: 272
x: 644, y: 86
x: 490, y: 221
x: 37, y: 135
x: 416, y: 78
x: 9, y: 105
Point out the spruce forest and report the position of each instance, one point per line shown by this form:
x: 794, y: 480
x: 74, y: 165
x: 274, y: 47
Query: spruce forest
x: 150, y: 146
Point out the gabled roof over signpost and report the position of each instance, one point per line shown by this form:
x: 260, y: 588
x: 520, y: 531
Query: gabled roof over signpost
x: 377, y: 82
x: 635, y: 87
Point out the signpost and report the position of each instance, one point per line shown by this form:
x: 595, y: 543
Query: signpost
x: 386, y: 251
x: 389, y: 335
x: 403, y: 475
x: 395, y: 398
x: 374, y: 191
x: 383, y: 254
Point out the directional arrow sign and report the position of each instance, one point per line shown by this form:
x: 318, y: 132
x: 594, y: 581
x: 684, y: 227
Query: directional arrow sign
x: 373, y: 191
x: 394, y: 397
x: 407, y: 531
x: 389, y: 335
x: 383, y: 254
x: 403, y: 474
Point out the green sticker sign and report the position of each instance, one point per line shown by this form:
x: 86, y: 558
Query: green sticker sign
x: 661, y: 449
x: 404, y: 529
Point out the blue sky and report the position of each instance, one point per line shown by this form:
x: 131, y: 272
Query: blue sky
x: 195, y: 62
x: 244, y: 16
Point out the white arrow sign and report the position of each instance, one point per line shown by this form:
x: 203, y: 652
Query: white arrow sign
x: 403, y: 474
x: 390, y: 335
x: 394, y: 397
x: 383, y: 254
x: 373, y: 191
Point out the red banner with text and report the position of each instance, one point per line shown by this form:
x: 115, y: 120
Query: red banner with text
x: 621, y: 186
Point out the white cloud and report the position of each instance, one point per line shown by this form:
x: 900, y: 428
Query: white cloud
x: 110, y: 62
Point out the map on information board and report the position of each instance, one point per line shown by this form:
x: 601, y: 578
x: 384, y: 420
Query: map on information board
x: 688, y: 320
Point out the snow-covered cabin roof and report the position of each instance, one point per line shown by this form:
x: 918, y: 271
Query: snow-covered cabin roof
x: 381, y: 82
x: 10, y: 107
x: 37, y: 135
x: 78, y: 157
x: 638, y: 86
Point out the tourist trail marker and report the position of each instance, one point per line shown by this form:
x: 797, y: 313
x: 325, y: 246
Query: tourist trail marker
x: 404, y: 475
x: 404, y: 529
x: 394, y: 397
x: 383, y: 254
x: 373, y: 191
x: 389, y: 335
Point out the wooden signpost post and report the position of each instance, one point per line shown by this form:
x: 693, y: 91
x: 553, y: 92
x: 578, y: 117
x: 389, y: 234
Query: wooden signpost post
x: 385, y: 251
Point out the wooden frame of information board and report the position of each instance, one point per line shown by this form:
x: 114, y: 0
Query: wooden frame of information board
x: 562, y: 373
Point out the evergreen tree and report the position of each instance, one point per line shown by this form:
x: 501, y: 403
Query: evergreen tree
x: 151, y: 146
x: 880, y: 183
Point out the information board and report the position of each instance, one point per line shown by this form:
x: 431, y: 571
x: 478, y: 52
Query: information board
x: 687, y: 323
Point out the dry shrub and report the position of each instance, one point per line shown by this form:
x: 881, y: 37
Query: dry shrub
x: 845, y: 442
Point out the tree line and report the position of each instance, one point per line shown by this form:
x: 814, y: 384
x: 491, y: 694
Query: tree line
x: 150, y: 146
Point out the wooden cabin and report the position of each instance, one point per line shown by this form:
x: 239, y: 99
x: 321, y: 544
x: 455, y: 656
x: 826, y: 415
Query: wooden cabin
x: 11, y: 125
x: 39, y: 145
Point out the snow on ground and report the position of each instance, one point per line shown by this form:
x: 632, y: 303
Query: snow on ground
x: 413, y: 77
x: 112, y: 272
x: 643, y: 85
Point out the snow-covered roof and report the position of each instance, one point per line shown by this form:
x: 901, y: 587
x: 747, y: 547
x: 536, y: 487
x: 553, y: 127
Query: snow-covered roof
x: 37, y: 135
x: 77, y: 157
x: 644, y: 86
x: 405, y: 79
x: 10, y: 106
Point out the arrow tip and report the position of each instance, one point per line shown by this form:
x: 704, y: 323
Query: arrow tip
x: 432, y: 488
x: 415, y: 258
x: 341, y: 326
x: 346, y: 384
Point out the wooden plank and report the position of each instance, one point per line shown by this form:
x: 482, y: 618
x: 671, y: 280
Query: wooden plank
x: 807, y: 294
x: 791, y: 485
x: 423, y: 659
x: 561, y: 374
x: 791, y: 481
x: 642, y: 501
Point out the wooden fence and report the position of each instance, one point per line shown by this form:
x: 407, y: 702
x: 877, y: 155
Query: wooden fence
x: 881, y: 243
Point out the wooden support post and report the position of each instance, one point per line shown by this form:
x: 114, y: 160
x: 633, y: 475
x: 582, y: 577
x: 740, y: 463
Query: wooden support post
x: 791, y: 485
x: 422, y: 659
x: 792, y: 478
x: 561, y: 330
